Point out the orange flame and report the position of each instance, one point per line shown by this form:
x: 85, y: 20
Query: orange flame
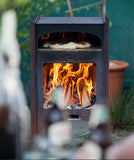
x: 63, y: 35
x: 71, y: 76
x: 45, y: 37
x: 80, y: 36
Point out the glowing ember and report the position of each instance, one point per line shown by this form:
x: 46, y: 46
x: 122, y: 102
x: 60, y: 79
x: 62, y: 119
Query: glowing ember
x: 78, y: 81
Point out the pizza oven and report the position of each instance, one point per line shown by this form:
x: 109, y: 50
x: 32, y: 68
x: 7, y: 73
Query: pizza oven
x: 70, y: 52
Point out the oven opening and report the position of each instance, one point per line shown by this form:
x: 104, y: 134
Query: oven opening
x: 74, y: 117
x: 78, y: 81
x: 69, y: 40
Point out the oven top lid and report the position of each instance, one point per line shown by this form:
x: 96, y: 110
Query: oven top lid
x: 70, y: 20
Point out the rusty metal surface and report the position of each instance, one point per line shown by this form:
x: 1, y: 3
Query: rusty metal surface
x: 94, y: 29
x: 106, y: 48
x: 33, y: 80
x: 39, y: 57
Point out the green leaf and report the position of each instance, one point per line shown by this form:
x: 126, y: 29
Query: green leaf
x: 52, y: 1
x: 57, y: 9
x: 122, y: 111
x: 78, y: 11
x: 21, y: 2
x: 88, y: 8
x: 3, y: 3
x: 81, y: 135
x: 110, y: 24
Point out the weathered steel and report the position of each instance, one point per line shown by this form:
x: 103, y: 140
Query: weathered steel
x: 97, y: 26
x: 33, y: 79
x: 106, y: 50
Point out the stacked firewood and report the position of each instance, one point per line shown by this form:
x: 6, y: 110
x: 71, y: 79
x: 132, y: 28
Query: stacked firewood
x: 74, y: 83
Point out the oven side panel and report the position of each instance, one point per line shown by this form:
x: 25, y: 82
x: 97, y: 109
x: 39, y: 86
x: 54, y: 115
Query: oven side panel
x: 33, y: 80
x: 106, y: 48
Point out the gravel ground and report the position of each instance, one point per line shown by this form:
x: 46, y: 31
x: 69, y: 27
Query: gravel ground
x: 118, y: 135
x: 80, y: 133
x: 80, y: 127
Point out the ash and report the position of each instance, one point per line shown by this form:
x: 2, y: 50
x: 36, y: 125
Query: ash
x: 77, y: 107
x: 68, y: 107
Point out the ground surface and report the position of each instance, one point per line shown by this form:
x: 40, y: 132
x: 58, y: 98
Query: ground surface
x: 80, y: 133
x: 80, y: 127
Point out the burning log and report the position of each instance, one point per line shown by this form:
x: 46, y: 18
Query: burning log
x: 76, y: 81
x: 82, y: 92
x: 69, y: 88
x: 85, y: 102
x: 47, y: 100
x: 68, y: 97
x: 67, y: 100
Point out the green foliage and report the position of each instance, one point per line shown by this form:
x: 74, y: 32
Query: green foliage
x: 84, y: 135
x: 11, y: 4
x: 122, y: 111
x: 88, y: 8
x: 25, y: 15
x: 110, y: 24
x: 78, y: 11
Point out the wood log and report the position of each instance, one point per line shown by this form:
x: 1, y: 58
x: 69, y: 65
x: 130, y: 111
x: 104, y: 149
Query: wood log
x: 47, y: 100
x: 85, y: 99
x: 68, y: 97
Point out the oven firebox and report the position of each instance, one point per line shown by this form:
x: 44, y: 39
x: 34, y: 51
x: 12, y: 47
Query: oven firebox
x: 52, y: 45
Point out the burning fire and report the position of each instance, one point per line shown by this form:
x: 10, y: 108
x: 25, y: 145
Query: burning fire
x: 45, y: 37
x: 73, y: 78
x: 64, y: 36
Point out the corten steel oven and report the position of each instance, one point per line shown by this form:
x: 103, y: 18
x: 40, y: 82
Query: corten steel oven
x: 68, y: 29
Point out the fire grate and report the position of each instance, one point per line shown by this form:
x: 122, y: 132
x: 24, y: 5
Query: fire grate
x: 62, y: 46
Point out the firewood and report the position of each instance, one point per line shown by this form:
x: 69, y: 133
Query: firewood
x: 47, y: 100
x: 68, y: 97
x: 85, y: 99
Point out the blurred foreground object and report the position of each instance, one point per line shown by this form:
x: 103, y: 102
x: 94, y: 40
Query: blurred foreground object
x: 14, y: 115
x: 57, y: 132
x: 98, y: 124
x: 122, y: 150
x: 99, y: 140
x: 58, y: 128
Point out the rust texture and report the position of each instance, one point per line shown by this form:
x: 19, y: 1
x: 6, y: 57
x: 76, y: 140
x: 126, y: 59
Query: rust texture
x: 97, y: 26
x: 33, y: 79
